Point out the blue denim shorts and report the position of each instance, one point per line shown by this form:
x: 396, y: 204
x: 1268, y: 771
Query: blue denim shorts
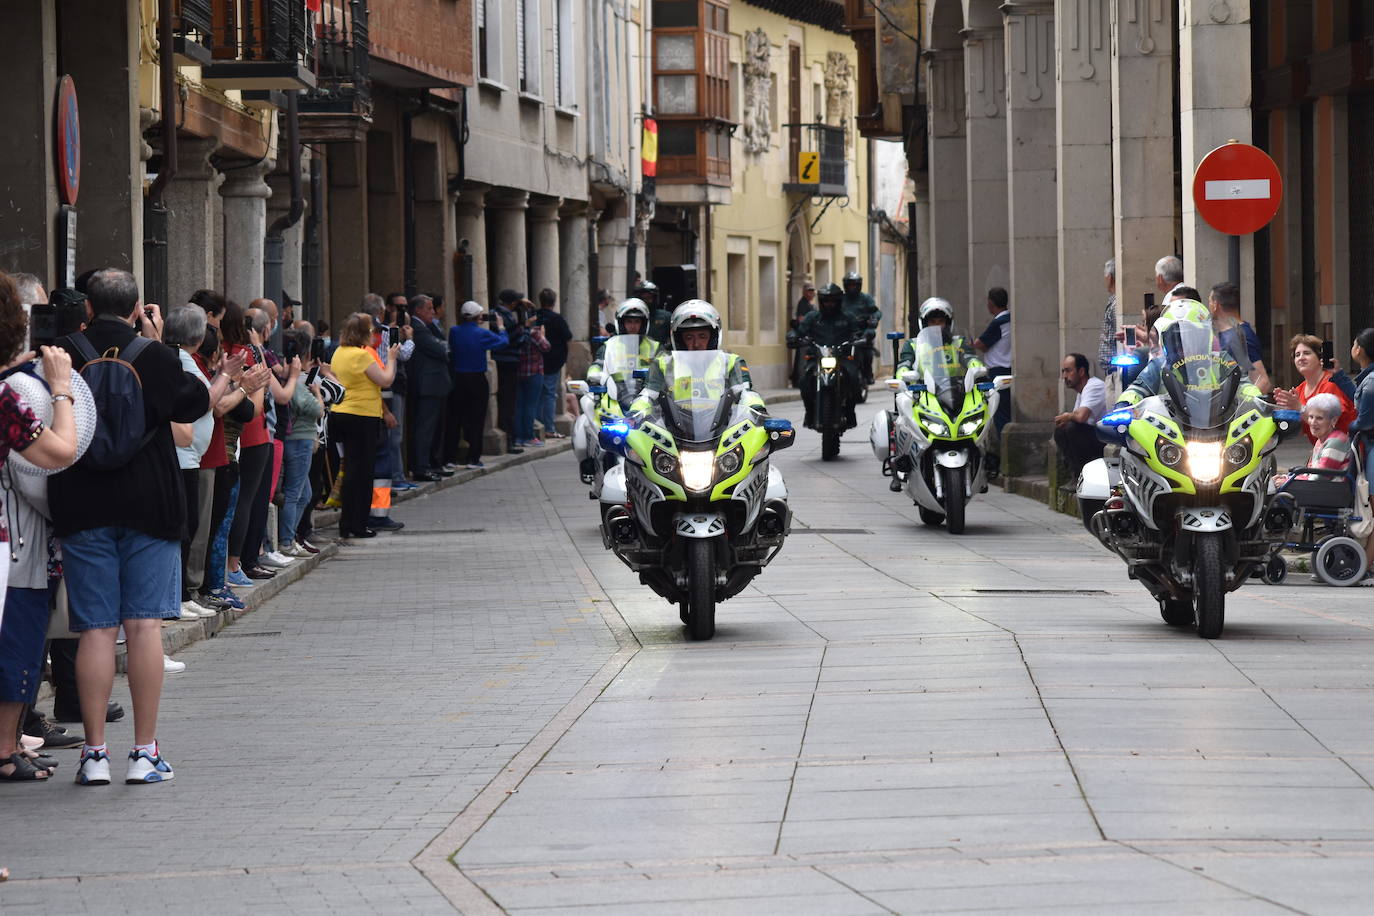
x: 21, y: 644
x: 115, y: 574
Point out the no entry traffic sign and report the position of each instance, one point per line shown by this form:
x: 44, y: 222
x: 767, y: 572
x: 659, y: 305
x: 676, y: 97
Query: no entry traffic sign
x: 1237, y: 188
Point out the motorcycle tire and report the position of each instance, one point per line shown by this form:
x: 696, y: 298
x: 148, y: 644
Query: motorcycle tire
x: 828, y: 414
x: 1176, y: 613
x: 933, y: 519
x: 952, y: 482
x: 701, y: 588
x: 1209, y: 585
x: 863, y: 394
x: 1339, y: 561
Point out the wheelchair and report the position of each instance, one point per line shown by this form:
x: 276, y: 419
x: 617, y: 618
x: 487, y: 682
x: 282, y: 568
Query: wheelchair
x: 1316, y: 508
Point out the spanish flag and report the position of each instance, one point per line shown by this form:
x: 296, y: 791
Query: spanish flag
x: 649, y: 148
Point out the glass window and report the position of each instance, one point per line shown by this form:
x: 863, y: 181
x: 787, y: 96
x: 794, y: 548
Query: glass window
x: 672, y: 14
x: 677, y: 139
x: 676, y: 52
x: 677, y: 94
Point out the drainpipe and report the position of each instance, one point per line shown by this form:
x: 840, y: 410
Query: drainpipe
x: 408, y: 198
x: 155, y: 272
x: 274, y: 246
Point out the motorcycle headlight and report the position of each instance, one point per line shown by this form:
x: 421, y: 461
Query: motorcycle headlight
x: 664, y: 463
x: 698, y: 470
x: 935, y: 427
x: 1204, y: 461
x: 970, y: 427
x: 730, y: 462
x: 1238, y: 454
x: 829, y: 362
x: 1170, y: 454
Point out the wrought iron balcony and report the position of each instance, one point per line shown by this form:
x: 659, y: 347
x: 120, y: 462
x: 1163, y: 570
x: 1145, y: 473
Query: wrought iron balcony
x: 828, y: 175
x: 339, y: 108
x: 255, y: 44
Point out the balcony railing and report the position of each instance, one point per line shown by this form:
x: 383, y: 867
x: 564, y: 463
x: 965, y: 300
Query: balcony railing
x: 831, y: 175
x: 255, y: 44
x: 339, y: 108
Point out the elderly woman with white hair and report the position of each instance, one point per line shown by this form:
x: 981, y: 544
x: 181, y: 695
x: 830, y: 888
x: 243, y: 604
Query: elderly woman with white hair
x: 1332, y: 448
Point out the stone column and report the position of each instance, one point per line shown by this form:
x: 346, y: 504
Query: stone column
x: 190, y: 200
x: 28, y: 183
x: 947, y: 231
x: 1143, y: 146
x: 506, y: 242
x: 1214, y: 106
x: 1084, y: 129
x: 986, y: 138
x: 245, y: 194
x: 542, y: 225
x: 347, y: 229
x: 472, y: 228
x: 1033, y: 231
x: 925, y: 265
x: 613, y: 251
x: 573, y: 292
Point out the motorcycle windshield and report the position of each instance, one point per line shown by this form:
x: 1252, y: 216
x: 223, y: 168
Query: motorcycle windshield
x: 619, y: 362
x: 696, y: 396
x: 1201, y: 377
x: 941, y: 367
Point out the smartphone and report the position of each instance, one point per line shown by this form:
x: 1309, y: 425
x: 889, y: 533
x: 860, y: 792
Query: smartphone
x: 393, y: 336
x: 317, y: 349
x: 42, y: 326
x: 1130, y: 336
x: 1149, y: 300
x: 1328, y: 354
x: 289, y: 351
x: 312, y: 376
x: 248, y: 323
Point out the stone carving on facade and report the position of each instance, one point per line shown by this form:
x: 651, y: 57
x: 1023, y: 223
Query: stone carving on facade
x: 946, y: 82
x: 1146, y: 16
x: 839, y: 76
x: 758, y: 89
x: 1088, y: 39
x: 983, y: 72
x: 1030, y: 37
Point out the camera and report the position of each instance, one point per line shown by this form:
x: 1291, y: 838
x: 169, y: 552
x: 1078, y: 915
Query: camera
x: 148, y: 312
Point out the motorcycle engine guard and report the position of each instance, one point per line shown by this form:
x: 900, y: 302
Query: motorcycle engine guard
x: 951, y: 457
x: 1203, y: 519
x: 699, y: 524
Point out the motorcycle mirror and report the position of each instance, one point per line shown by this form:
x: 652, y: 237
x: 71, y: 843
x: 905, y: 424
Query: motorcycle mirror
x: 640, y: 373
x: 611, y: 437
x: 577, y: 386
x: 895, y: 335
x: 1002, y: 382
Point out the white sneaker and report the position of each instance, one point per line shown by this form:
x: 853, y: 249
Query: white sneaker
x: 273, y: 558
x: 190, y: 610
x: 204, y: 610
x: 30, y: 742
x: 172, y: 666
x: 144, y: 767
x: 94, y: 769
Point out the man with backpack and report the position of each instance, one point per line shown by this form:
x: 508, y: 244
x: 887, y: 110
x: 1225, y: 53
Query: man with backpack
x: 120, y: 515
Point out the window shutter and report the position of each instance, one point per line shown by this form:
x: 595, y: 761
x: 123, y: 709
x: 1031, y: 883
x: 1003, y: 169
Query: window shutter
x: 558, y: 52
x: 520, y: 44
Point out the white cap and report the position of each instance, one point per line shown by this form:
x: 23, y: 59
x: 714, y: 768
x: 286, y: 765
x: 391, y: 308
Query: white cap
x: 471, y: 308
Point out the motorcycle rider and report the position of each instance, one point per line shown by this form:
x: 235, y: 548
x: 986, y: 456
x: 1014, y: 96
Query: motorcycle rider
x: 1150, y: 381
x: 631, y: 317
x: 860, y: 306
x: 694, y: 325
x: 829, y: 325
x: 938, y: 313
x: 660, y: 319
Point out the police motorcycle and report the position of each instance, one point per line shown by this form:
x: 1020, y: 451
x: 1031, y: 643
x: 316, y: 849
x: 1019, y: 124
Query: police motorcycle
x: 934, y: 443
x: 605, y: 397
x: 1185, y: 502
x: 696, y: 507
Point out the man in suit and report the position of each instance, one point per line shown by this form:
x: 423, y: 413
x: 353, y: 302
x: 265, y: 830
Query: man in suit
x: 430, y: 381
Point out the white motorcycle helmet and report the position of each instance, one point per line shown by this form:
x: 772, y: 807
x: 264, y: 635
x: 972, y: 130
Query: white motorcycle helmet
x: 631, y: 308
x: 695, y: 313
x: 936, y: 304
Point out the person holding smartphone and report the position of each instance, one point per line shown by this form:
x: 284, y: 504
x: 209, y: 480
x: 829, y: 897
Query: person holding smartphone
x: 529, y: 374
x: 298, y: 445
x: 356, y: 422
x: 468, y: 345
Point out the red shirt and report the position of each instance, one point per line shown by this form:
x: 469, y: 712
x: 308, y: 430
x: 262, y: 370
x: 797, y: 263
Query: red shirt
x: 215, y: 456
x: 255, y: 430
x: 1326, y: 386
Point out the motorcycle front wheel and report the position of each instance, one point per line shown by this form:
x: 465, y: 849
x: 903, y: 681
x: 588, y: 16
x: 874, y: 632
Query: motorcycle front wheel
x: 828, y: 415
x: 952, y: 482
x: 1209, y: 585
x: 701, y: 588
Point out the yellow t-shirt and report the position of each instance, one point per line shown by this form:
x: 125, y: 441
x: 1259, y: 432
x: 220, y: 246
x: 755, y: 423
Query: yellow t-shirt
x: 362, y: 396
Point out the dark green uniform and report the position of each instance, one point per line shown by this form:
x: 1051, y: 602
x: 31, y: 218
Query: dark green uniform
x: 827, y: 328
x: 660, y: 321
x: 862, y: 309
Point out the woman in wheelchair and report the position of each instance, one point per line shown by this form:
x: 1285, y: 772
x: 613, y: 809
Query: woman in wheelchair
x: 1331, y: 450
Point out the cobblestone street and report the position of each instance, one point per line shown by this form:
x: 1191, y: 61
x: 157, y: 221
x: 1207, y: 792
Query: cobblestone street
x: 891, y: 719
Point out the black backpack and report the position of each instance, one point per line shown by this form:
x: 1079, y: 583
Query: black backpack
x: 121, y: 425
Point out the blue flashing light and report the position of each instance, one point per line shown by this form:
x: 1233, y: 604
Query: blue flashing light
x: 895, y: 335
x: 596, y: 389
x: 1287, y: 416
x: 617, y: 429
x: 918, y: 388
x: 985, y: 386
x: 1122, y: 417
x: 600, y: 339
x: 1126, y: 359
x: 640, y: 373
x: 612, y: 437
x: 777, y: 425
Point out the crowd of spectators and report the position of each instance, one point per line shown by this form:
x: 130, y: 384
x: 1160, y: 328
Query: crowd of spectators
x: 155, y: 467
